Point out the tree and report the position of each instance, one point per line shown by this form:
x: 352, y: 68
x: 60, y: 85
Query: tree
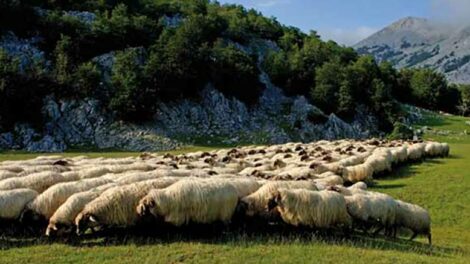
x: 327, y: 84
x: 428, y: 87
x: 235, y: 73
x: 464, y: 106
x: 88, y: 79
x: 132, y: 98
x: 63, y: 62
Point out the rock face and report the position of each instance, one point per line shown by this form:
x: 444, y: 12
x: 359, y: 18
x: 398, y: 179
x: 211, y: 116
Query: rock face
x: 214, y: 119
x: 417, y: 42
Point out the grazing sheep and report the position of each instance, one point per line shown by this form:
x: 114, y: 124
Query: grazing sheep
x: 323, y: 183
x: 416, y: 151
x: 399, y: 155
x: 188, y: 201
x: 64, y: 216
x: 359, y: 185
x: 44, y: 206
x: 255, y: 203
x: 116, y: 206
x: 371, y: 209
x: 380, y: 160
x: 37, y: 181
x: 318, y: 209
x: 243, y: 186
x: 413, y: 217
x: 5, y: 174
x: 42, y: 168
x: 12, y: 202
x: 357, y: 173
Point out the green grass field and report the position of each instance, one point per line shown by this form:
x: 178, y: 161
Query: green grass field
x: 440, y: 185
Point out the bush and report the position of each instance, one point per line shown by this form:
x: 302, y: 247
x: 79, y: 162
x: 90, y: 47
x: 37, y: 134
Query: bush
x: 401, y: 131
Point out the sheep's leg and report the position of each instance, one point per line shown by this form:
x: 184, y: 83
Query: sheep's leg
x: 430, y: 239
x: 415, y: 234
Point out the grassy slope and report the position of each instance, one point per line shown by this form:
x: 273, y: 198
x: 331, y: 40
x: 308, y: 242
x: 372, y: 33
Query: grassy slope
x: 441, y: 185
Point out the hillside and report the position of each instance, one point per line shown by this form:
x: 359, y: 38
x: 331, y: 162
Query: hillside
x: 418, y: 42
x: 159, y: 74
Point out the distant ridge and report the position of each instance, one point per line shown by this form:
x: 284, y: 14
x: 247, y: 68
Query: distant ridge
x: 419, y: 42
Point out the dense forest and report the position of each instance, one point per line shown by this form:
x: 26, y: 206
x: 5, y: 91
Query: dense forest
x: 166, y: 50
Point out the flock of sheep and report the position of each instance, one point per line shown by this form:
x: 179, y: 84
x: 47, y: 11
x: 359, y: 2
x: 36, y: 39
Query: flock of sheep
x: 295, y: 184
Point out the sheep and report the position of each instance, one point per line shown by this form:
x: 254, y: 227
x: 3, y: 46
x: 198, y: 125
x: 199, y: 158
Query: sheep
x: 11, y: 168
x: 416, y: 151
x: 12, y: 202
x: 331, y: 180
x: 44, y: 206
x: 399, y: 154
x: 244, y: 186
x: 188, y: 201
x: 255, y: 203
x: 372, y: 209
x: 37, y: 181
x: 116, y: 206
x: 317, y: 209
x: 357, y: 173
x: 128, y: 167
x: 359, y: 185
x: 138, y: 176
x: 413, y: 217
x: 380, y: 160
x: 64, y: 216
x: 42, y: 168
x: 5, y: 174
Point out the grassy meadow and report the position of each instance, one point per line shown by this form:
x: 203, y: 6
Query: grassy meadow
x: 440, y: 185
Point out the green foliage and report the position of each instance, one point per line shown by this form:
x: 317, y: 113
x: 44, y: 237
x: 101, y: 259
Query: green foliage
x: 87, y: 79
x: 428, y: 87
x: 233, y: 69
x: 131, y: 99
x: 401, y: 131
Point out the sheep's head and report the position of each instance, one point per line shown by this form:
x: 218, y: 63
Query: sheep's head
x: 274, y: 201
x: 56, y: 229
x: 245, y: 207
x: 30, y: 217
x: 84, y: 221
x: 144, y: 207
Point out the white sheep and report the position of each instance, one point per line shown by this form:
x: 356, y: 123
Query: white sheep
x: 5, y: 174
x: 37, y: 181
x: 64, y: 216
x: 372, y: 209
x: 413, y: 217
x: 361, y: 172
x: 12, y: 202
x: 47, y: 202
x: 188, y: 201
x: 116, y: 206
x: 318, y: 209
x: 416, y: 151
x: 256, y: 203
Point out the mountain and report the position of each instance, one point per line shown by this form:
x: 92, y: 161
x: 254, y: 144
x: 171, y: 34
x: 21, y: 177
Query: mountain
x: 418, y: 42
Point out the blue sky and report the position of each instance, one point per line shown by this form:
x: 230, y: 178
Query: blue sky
x: 349, y: 21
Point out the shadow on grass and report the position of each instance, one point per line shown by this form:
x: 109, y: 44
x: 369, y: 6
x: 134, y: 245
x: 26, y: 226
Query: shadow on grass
x: 234, y: 236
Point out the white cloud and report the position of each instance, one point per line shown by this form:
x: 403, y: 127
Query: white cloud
x: 347, y: 37
x: 453, y: 11
x: 270, y: 3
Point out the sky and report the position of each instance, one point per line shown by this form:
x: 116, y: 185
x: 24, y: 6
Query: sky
x: 349, y: 21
